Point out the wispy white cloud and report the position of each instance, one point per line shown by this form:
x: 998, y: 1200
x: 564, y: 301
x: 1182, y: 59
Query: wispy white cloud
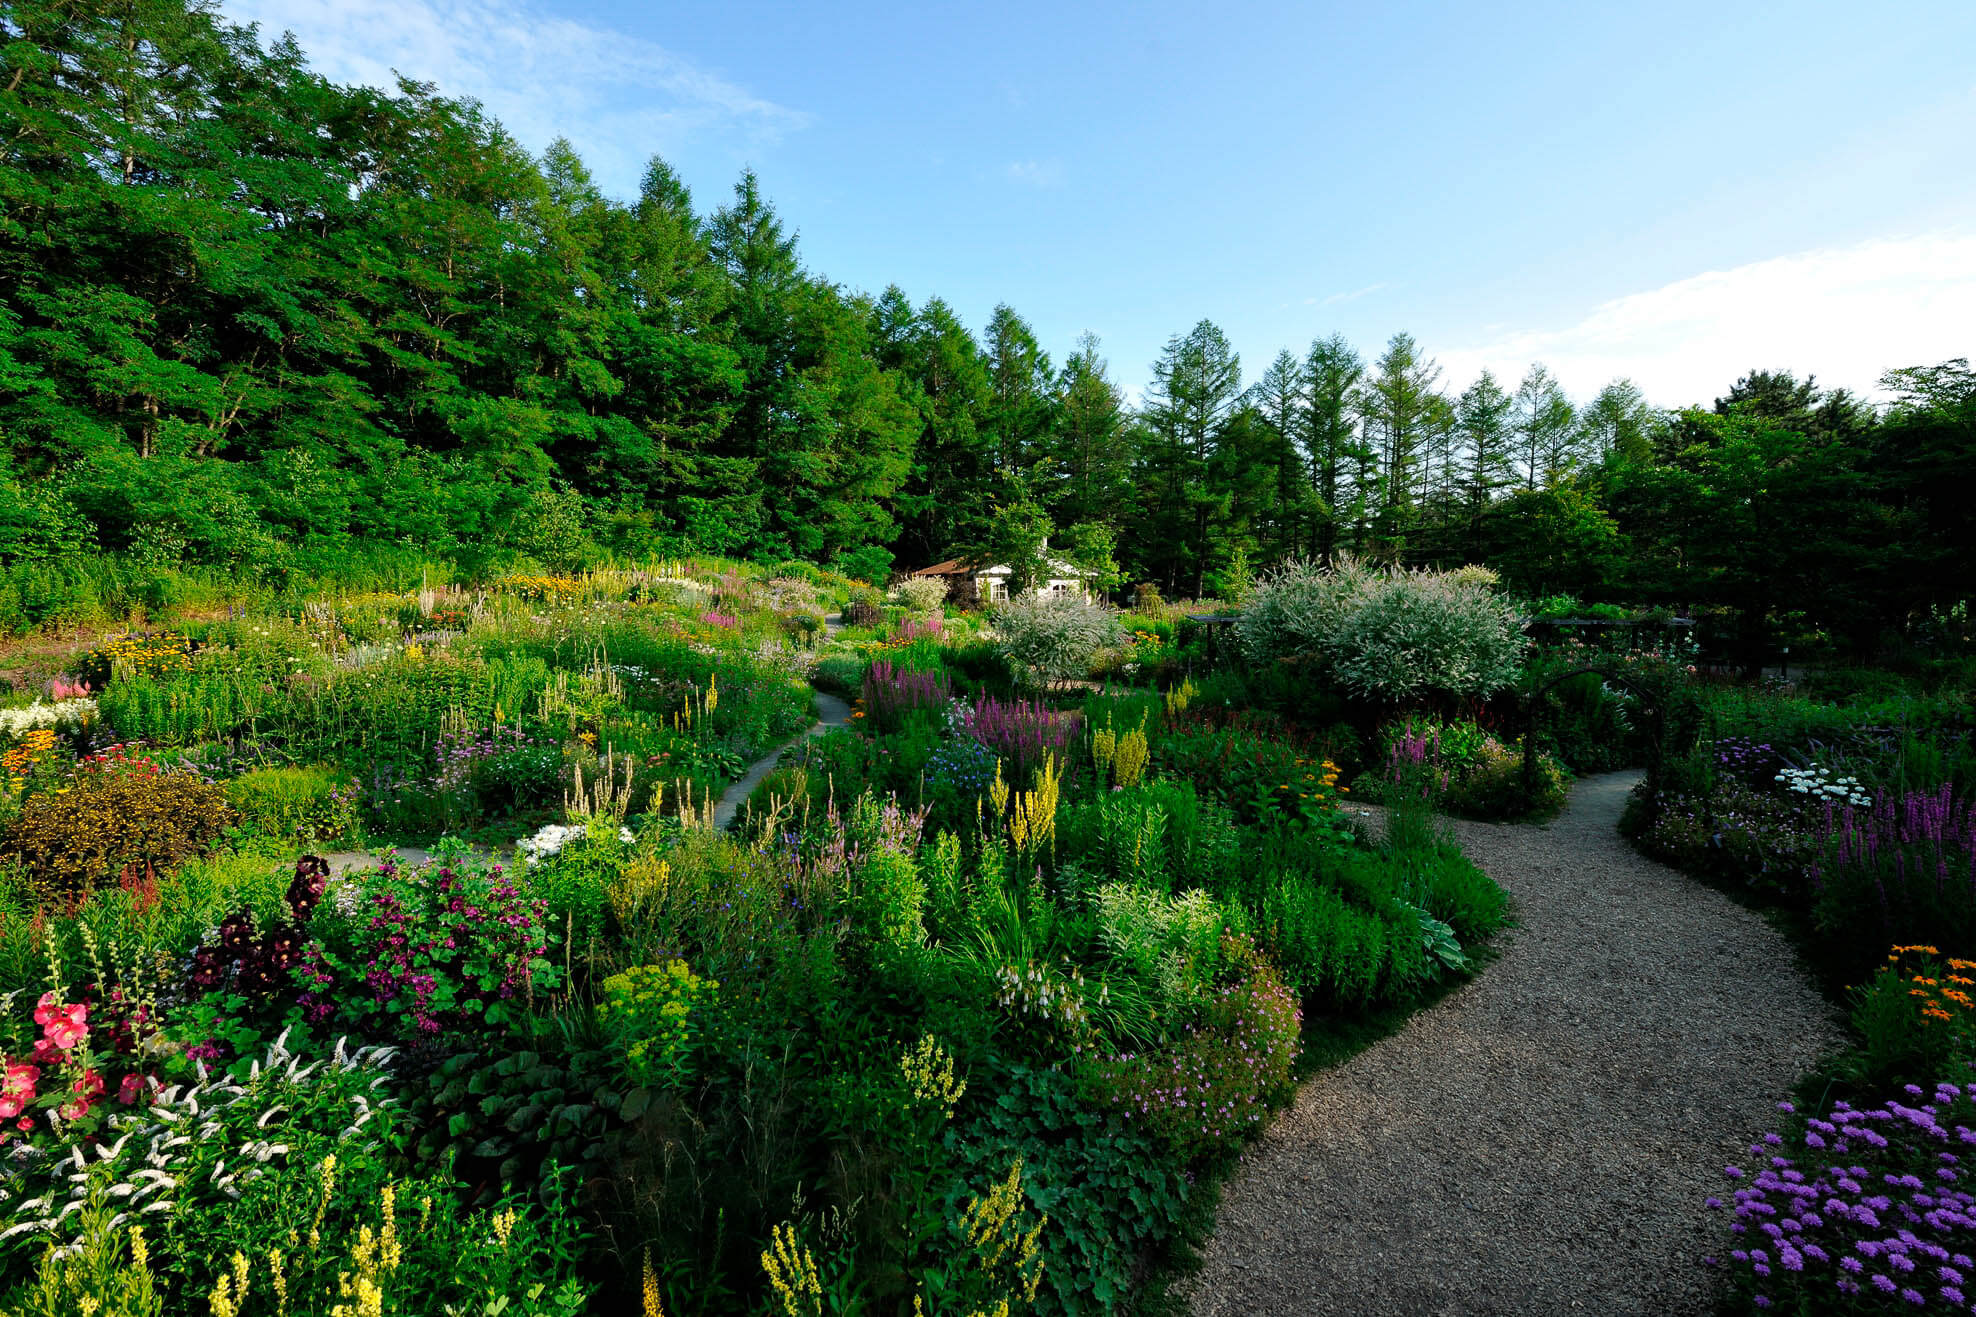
x: 618, y: 97
x: 1035, y: 173
x: 1847, y: 314
x: 1336, y: 298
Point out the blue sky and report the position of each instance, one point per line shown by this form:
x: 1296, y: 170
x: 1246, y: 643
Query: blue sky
x: 1676, y: 192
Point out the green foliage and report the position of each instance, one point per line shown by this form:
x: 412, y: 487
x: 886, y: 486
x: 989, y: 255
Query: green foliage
x: 1110, y: 1193
x: 1914, y: 1020
x: 655, y: 1006
x: 314, y: 806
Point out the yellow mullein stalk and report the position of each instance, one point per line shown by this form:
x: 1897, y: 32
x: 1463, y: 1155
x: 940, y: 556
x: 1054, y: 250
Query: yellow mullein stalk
x: 651, y: 1278
x: 388, y: 1250
x: 220, y: 1301
x: 504, y: 1226
x: 322, y: 1204
x: 1132, y: 755
x: 713, y: 691
x: 792, y: 1274
x: 279, y: 1279
x: 1104, y: 744
x: 998, y: 791
x: 240, y: 1267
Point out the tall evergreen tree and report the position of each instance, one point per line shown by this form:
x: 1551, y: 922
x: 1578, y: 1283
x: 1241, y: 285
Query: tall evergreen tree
x: 1332, y: 371
x: 1197, y: 383
x: 1484, y: 418
x: 1545, y: 427
x: 1400, y: 414
x: 1093, y: 465
x: 1615, y: 424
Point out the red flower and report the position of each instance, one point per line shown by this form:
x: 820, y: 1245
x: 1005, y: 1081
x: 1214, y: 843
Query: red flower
x: 86, y: 1089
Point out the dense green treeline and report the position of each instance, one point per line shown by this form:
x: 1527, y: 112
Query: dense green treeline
x: 253, y: 320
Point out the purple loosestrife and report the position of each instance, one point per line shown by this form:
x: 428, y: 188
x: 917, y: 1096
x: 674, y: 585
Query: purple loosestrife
x: 1908, y: 862
x: 1021, y: 733
x: 918, y: 628
x: 1873, y: 1213
x: 890, y: 693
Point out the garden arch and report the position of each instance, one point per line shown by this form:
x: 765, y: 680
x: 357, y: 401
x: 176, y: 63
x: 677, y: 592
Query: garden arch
x: 1653, y: 704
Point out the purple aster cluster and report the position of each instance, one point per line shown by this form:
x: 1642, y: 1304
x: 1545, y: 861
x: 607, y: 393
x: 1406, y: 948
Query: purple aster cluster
x: 1213, y: 1084
x: 446, y: 936
x: 1874, y: 1213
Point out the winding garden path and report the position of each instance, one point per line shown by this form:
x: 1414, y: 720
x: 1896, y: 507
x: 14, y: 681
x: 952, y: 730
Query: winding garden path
x: 831, y: 712
x: 1542, y: 1140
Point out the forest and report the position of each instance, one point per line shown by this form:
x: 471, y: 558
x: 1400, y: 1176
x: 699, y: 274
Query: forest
x: 259, y: 322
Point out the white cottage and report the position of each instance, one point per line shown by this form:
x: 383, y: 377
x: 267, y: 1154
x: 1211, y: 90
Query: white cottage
x: 991, y: 584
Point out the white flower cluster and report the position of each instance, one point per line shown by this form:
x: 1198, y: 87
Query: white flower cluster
x: 62, y: 713
x: 1821, y: 782
x: 553, y: 837
x: 188, y: 1139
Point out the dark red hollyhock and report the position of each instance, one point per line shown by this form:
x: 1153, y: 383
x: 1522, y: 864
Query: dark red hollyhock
x: 311, y: 881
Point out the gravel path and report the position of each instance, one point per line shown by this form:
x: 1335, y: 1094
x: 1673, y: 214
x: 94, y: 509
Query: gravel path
x: 1540, y: 1141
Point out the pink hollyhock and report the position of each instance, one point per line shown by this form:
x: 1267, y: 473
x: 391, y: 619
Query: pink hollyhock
x: 64, y: 1025
x: 18, y: 1089
x: 131, y: 1089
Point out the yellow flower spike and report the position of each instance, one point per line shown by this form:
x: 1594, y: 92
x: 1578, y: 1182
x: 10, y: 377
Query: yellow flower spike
x: 792, y: 1274
x: 651, y: 1289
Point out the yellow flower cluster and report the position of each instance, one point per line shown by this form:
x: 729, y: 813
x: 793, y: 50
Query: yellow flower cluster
x: 658, y: 999
x: 1316, y: 779
x: 375, y: 1256
x: 1001, y: 1247
x: 1032, y: 814
x: 19, y: 763
x: 144, y: 656
x: 1180, y: 697
x: 792, y: 1274
x: 545, y: 589
x: 641, y: 883
x: 929, y: 1072
x: 1123, y: 756
x: 1943, y: 989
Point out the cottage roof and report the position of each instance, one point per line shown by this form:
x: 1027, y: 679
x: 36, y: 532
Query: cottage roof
x: 1058, y: 569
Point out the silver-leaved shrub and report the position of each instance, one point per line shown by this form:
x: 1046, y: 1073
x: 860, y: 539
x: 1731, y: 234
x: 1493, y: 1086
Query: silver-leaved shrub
x: 1054, y: 640
x: 1387, y: 634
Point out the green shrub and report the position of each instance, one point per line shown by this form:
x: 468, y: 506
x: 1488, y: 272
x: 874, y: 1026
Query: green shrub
x: 1493, y: 785
x: 921, y: 594
x: 889, y: 893
x: 114, y: 819
x: 314, y: 806
x: 840, y: 674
